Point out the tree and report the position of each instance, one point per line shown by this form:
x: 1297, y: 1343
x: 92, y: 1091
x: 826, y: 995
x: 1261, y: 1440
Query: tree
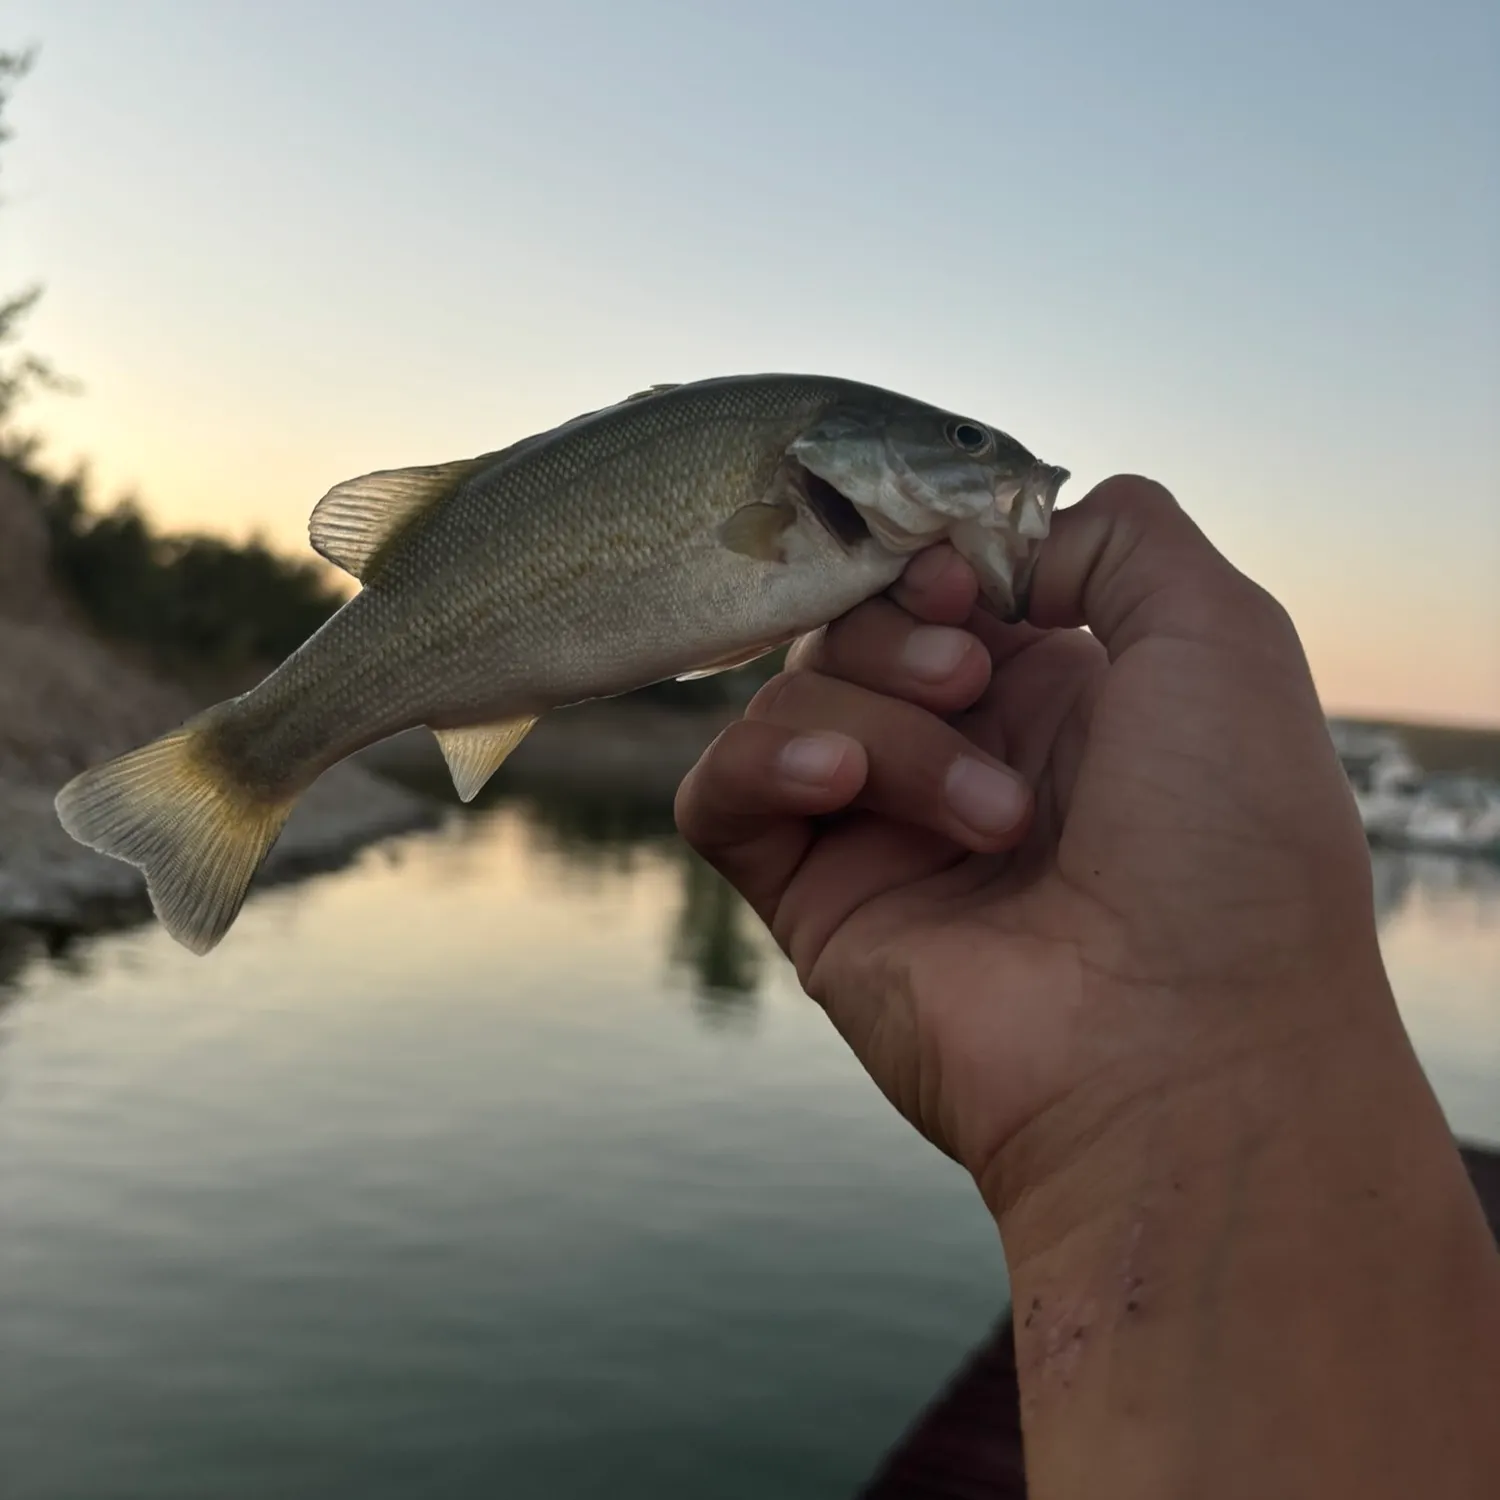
x: 21, y: 372
x: 192, y: 601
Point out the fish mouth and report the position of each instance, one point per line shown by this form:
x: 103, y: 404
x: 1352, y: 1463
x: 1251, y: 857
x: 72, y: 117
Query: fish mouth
x: 1034, y: 521
x: 1038, y: 496
x: 1029, y: 503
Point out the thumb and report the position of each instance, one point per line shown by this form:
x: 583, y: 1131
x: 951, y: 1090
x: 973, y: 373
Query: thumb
x: 1128, y: 562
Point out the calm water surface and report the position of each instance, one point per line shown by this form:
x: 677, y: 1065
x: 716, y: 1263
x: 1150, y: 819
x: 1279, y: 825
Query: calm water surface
x: 508, y: 1161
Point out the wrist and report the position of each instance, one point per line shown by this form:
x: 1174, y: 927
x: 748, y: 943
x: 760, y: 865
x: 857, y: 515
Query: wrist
x: 1341, y: 1074
x: 1244, y: 1272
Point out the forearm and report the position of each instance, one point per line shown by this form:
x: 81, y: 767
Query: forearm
x: 1289, y: 1289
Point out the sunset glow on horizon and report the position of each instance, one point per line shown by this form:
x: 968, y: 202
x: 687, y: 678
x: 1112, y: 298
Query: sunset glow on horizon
x: 1255, y: 255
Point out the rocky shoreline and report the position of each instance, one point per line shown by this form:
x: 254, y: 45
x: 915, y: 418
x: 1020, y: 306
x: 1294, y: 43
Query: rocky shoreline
x: 49, y: 881
x: 637, y: 751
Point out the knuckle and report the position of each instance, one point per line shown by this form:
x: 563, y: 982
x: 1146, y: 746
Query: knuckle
x: 1228, y: 605
x: 807, y: 651
x: 1267, y: 604
x: 1278, y: 621
x: 789, y: 696
x: 1254, y: 604
x: 710, y: 787
x: 687, y: 810
x: 838, y: 635
x: 1135, y: 501
x: 857, y: 646
x: 770, y: 696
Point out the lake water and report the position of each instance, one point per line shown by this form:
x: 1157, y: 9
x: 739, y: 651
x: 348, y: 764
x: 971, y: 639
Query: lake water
x: 508, y: 1161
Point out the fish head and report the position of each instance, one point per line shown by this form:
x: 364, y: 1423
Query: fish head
x: 917, y: 475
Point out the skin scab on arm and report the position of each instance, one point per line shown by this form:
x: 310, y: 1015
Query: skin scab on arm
x: 1050, y: 1343
x: 1054, y: 1331
x: 1069, y: 1323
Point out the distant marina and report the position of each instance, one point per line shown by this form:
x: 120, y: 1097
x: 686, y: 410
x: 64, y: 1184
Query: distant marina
x: 1406, y: 806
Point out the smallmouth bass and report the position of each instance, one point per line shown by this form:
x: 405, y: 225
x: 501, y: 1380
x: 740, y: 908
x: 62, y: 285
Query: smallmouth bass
x: 683, y: 531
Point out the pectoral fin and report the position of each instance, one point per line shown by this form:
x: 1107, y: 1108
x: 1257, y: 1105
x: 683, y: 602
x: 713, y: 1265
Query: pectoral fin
x: 730, y: 662
x: 755, y: 530
x: 475, y: 752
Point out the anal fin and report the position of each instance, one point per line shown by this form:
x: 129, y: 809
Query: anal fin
x: 476, y: 751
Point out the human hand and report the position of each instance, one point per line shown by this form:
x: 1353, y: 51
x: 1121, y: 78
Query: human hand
x: 1143, y: 1005
x: 1187, y: 880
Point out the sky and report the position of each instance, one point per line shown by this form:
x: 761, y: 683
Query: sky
x: 1252, y: 251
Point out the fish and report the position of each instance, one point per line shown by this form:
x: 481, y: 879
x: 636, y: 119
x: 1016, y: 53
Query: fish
x: 682, y: 531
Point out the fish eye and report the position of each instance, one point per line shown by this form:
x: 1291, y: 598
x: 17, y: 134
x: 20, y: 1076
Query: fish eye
x: 970, y: 437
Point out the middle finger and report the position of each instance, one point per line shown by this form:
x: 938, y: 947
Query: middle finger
x: 920, y: 770
x: 881, y: 647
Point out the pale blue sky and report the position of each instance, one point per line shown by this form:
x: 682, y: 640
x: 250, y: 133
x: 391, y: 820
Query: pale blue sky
x: 1251, y: 250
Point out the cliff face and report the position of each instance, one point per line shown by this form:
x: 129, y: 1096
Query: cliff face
x: 67, y: 699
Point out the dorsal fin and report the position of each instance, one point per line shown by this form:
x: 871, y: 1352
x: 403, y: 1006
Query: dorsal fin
x: 652, y: 390
x: 354, y: 523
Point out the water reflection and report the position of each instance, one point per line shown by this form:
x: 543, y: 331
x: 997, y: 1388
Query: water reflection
x: 1393, y: 872
x: 594, y: 826
x: 597, y: 834
x: 432, y: 1134
x: 713, y: 932
x: 714, y: 937
x: 428, y: 1173
x: 715, y: 942
x: 22, y: 946
x: 712, y: 942
x: 1465, y: 886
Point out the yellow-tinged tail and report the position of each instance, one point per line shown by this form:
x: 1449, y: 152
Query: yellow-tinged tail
x: 172, y: 811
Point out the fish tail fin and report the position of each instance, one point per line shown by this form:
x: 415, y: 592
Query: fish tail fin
x: 178, y: 815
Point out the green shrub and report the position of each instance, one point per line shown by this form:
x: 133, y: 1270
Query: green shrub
x: 188, y: 600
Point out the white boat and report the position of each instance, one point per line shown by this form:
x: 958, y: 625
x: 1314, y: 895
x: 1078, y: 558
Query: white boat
x: 1455, y: 815
x: 1385, y: 780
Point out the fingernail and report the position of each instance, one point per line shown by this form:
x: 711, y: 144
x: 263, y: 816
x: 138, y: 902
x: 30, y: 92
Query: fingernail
x: 988, y: 800
x: 812, y: 758
x: 933, y: 652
